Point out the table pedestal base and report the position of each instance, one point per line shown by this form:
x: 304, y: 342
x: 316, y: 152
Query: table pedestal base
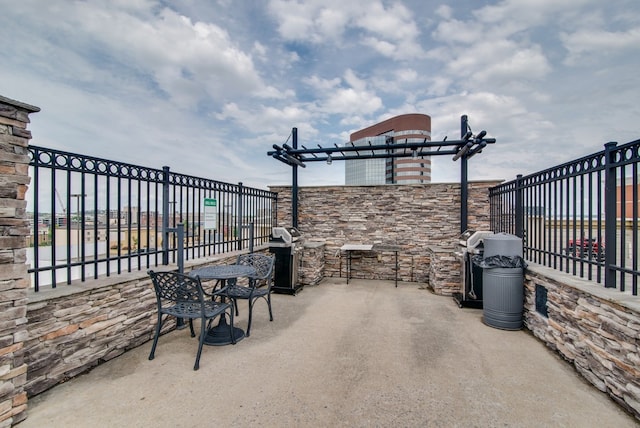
x: 220, y: 334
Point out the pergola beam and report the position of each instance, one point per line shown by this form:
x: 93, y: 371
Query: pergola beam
x: 457, y: 148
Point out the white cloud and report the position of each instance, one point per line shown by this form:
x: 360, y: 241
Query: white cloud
x: 453, y: 31
x: 321, y: 84
x: 599, y: 43
x: 331, y: 23
x: 347, y: 100
x: 353, y: 96
x: 210, y: 86
x: 522, y: 14
x: 313, y: 21
x: 406, y: 75
x: 186, y: 59
x: 381, y: 46
x: 444, y: 11
x: 393, y: 23
x: 506, y: 61
x: 501, y: 116
x: 390, y: 31
x: 265, y: 120
x: 193, y: 56
x: 260, y: 50
x: 354, y: 81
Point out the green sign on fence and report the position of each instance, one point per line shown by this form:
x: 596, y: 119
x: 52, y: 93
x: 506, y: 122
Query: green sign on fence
x: 210, y: 213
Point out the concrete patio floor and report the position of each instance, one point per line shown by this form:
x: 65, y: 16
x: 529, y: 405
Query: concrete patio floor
x: 359, y: 355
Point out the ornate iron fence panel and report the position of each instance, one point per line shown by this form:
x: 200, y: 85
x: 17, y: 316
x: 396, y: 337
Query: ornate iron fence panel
x: 580, y: 217
x: 94, y: 217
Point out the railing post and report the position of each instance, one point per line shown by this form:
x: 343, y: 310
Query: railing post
x: 251, y: 235
x: 180, y: 233
x: 491, y: 210
x: 250, y: 227
x: 239, y: 215
x: 165, y: 215
x: 610, y: 215
x: 519, y: 218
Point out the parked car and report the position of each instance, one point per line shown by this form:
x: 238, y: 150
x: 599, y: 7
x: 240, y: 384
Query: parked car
x: 587, y: 248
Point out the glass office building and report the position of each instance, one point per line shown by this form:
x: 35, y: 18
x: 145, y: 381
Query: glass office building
x: 366, y: 171
x: 407, y: 170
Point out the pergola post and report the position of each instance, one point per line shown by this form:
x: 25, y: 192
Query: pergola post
x: 294, y: 189
x: 464, y: 185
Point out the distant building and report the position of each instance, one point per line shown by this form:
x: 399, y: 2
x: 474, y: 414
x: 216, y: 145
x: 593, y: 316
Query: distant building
x: 625, y: 210
x: 409, y: 128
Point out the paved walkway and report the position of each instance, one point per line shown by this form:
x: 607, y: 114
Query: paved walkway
x: 357, y: 355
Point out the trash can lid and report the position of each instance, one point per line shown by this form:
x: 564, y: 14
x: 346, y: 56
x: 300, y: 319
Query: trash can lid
x: 502, y: 244
x: 502, y: 237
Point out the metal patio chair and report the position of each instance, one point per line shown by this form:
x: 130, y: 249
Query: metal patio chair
x: 259, y: 285
x: 182, y: 296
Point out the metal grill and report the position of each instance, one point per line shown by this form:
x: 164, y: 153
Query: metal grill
x: 470, y: 294
x: 286, y: 244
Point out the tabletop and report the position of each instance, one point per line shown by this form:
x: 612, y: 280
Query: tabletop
x: 223, y: 271
x: 356, y: 247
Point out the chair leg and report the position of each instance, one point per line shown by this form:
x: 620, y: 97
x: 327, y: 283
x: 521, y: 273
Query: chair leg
x: 235, y: 305
x: 203, y: 332
x: 269, y: 305
x: 193, y: 333
x: 155, y: 338
x: 250, y: 316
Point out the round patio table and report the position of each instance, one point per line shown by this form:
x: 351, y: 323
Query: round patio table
x: 220, y: 334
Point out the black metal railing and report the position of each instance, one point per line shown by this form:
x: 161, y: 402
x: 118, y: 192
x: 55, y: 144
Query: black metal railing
x: 94, y: 217
x: 580, y: 217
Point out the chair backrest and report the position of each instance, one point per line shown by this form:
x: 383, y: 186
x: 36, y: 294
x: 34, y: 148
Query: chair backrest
x: 262, y: 263
x: 176, y: 287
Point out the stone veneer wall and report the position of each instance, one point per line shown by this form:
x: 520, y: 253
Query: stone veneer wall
x: 416, y: 217
x: 14, y: 280
x: 73, y: 328
x: 597, y: 330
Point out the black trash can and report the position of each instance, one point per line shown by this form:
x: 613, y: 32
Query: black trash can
x: 503, y: 282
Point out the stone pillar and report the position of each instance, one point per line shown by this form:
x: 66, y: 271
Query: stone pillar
x: 14, y: 280
x: 312, y: 269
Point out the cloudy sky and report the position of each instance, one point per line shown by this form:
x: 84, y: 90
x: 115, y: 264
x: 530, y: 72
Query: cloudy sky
x: 208, y: 86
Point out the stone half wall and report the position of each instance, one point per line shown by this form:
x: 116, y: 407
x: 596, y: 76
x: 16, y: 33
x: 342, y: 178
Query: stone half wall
x: 76, y: 327
x: 73, y: 328
x: 14, y: 279
x: 415, y: 217
x: 595, y: 329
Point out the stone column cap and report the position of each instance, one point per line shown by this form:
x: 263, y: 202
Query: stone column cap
x: 25, y: 106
